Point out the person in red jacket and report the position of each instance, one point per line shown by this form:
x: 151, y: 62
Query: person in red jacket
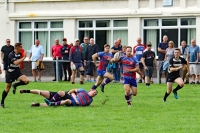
x: 22, y: 55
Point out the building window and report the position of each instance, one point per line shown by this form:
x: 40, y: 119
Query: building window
x: 177, y: 30
x: 45, y: 31
x: 103, y: 31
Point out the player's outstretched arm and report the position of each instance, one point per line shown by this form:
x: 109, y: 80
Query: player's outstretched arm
x: 73, y: 91
x: 172, y: 69
x: 94, y: 58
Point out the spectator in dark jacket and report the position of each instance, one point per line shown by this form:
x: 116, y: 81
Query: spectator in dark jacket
x: 76, y: 59
x: 90, y: 66
x: 65, y: 56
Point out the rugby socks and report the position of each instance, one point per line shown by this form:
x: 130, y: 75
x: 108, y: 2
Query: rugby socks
x: 166, y: 95
x: 55, y: 103
x: 19, y: 83
x: 128, y: 99
x: 4, y: 95
x: 55, y: 98
x: 106, y: 81
x: 178, y: 87
x: 94, y: 87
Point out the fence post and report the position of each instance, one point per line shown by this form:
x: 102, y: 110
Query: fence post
x: 56, y: 70
x: 158, y: 74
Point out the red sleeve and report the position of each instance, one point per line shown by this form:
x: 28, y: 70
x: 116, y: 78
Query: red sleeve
x: 80, y: 48
x: 134, y: 49
x: 22, y: 53
x: 144, y: 46
x: 72, y: 49
x: 52, y: 49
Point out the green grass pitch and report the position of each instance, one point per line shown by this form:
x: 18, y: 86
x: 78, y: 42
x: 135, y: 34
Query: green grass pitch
x: 148, y: 113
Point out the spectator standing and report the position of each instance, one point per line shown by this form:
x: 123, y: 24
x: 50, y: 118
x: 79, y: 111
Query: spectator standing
x: 56, y: 55
x: 162, y: 46
x: 138, y: 50
x: 169, y: 54
x: 22, y: 55
x: 36, y: 54
x: 76, y: 58
x: 116, y: 66
x: 120, y: 41
x: 84, y: 46
x: 184, y: 52
x: 148, y: 59
x: 91, y: 69
x: 65, y: 56
x: 5, y: 50
x: 193, y: 57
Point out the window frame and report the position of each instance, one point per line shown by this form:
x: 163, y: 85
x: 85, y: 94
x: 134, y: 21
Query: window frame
x: 160, y: 27
x: 33, y: 29
x: 94, y: 28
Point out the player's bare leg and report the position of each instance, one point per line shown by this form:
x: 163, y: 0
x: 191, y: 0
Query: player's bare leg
x: 23, y: 80
x: 109, y: 78
x: 44, y: 93
x: 127, y: 89
x: 98, y: 82
x: 82, y: 73
x: 5, y: 93
x: 73, y: 76
x: 169, y: 90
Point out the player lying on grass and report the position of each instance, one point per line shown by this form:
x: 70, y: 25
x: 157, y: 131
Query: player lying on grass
x: 175, y: 64
x: 105, y: 57
x: 130, y: 66
x: 74, y: 97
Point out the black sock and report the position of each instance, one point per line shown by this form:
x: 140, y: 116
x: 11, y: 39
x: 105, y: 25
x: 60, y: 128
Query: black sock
x: 4, y: 95
x: 178, y: 87
x: 147, y: 84
x: 37, y: 104
x: 26, y: 91
x: 19, y: 83
x: 166, y: 95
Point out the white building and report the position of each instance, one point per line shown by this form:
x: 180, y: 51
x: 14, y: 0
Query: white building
x: 104, y: 20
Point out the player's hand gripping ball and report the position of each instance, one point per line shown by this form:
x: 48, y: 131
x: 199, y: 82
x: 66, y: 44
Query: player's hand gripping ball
x: 118, y: 55
x: 73, y: 67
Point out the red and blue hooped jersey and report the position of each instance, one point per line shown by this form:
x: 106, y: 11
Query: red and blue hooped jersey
x: 129, y: 63
x: 104, y: 60
x: 138, y: 50
x: 83, y: 98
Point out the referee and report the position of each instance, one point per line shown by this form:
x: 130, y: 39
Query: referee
x: 175, y: 64
x: 13, y: 72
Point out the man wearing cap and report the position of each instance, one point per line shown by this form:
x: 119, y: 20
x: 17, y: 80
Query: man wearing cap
x: 65, y: 56
x: 56, y: 55
x: 76, y: 59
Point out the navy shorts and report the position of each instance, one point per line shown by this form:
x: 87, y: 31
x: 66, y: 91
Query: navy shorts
x: 101, y: 73
x: 78, y: 65
x: 131, y: 82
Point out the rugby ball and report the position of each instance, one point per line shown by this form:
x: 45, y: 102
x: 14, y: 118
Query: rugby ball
x: 118, y: 55
x: 73, y: 67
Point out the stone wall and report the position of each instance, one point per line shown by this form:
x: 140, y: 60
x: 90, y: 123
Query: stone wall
x: 48, y: 71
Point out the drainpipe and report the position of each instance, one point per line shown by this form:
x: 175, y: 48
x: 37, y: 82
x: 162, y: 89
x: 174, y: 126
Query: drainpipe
x: 6, y: 4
